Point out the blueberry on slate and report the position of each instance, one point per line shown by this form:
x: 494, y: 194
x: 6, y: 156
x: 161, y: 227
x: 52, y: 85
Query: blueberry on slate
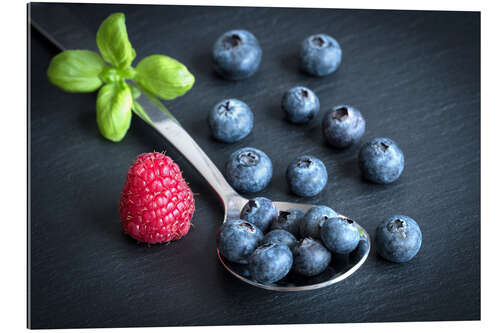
x: 398, y: 238
x: 237, y: 239
x: 280, y: 236
x: 381, y: 161
x: 289, y: 221
x: 313, y: 219
x: 310, y: 257
x: 340, y: 235
x: 270, y: 262
x: 236, y: 55
x: 300, y: 105
x: 249, y: 170
x: 343, y: 125
x: 320, y: 55
x: 306, y: 176
x: 259, y: 211
x: 230, y: 120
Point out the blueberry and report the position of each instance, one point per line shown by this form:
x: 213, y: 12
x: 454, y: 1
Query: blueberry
x: 320, y: 55
x: 313, y: 219
x: 237, y: 239
x: 259, y: 211
x: 306, y: 176
x: 236, y: 55
x: 340, y: 235
x: 343, y: 125
x: 398, y: 238
x: 249, y: 170
x: 381, y: 161
x: 300, y: 105
x: 310, y: 257
x: 289, y: 221
x: 280, y: 236
x: 270, y: 262
x: 230, y: 120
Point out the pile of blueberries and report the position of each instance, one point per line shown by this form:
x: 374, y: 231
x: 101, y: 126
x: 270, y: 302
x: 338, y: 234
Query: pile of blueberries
x: 267, y: 241
x: 237, y: 55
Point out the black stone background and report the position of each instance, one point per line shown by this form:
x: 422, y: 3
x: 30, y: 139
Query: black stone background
x: 415, y: 76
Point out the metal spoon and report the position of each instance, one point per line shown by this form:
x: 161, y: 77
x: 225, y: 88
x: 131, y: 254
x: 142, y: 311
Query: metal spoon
x: 342, y: 265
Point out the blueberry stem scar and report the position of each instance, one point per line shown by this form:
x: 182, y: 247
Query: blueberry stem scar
x: 318, y: 41
x: 399, y: 223
x: 304, y: 163
x: 397, y: 226
x: 232, y: 41
x: 340, y: 114
x: 384, y: 146
x: 225, y: 106
x: 248, y: 158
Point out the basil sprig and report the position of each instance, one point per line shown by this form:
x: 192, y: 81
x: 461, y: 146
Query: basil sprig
x: 85, y: 71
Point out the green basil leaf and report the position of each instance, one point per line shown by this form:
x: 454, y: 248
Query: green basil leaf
x: 76, y: 70
x: 163, y: 76
x: 113, y: 110
x: 113, y: 43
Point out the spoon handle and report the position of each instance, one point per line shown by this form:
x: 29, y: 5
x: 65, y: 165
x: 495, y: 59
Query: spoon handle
x: 166, y: 124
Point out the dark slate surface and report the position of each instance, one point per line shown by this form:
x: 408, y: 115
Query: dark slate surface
x: 415, y: 77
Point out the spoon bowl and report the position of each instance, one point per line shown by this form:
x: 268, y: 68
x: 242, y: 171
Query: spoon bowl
x: 341, y: 267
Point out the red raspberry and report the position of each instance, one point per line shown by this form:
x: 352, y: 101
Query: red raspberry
x: 156, y: 204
